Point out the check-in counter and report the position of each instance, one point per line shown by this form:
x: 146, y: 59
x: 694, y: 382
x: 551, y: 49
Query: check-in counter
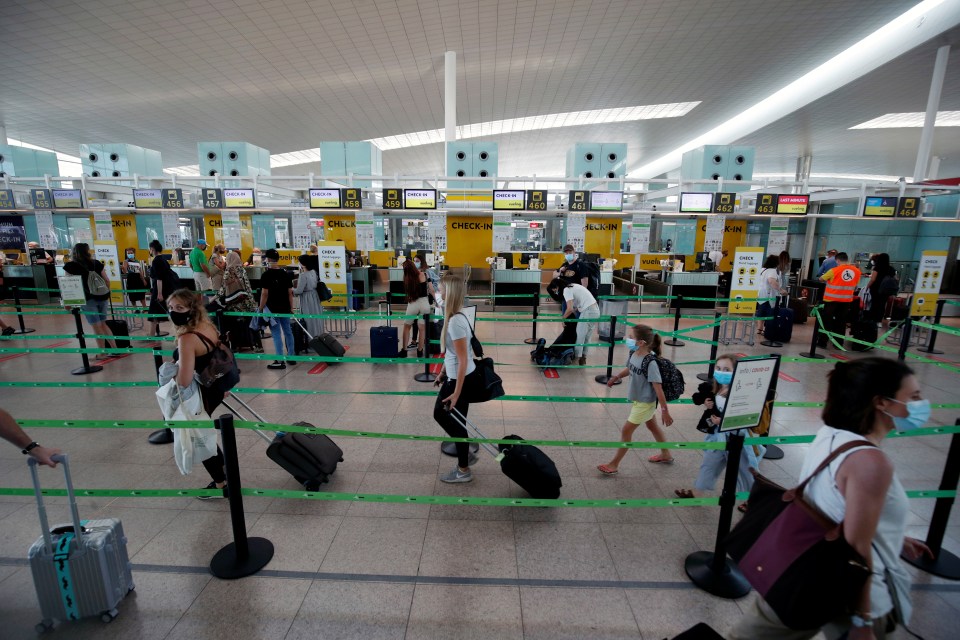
x: 360, y: 284
x: 36, y: 276
x: 396, y: 296
x: 606, y: 283
x: 511, y: 282
x: 692, y: 284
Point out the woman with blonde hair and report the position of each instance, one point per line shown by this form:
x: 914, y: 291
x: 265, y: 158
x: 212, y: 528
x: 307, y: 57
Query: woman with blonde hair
x: 197, y: 338
x: 458, y: 381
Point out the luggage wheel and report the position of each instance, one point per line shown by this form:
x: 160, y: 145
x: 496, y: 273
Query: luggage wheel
x: 43, y: 627
x: 108, y: 616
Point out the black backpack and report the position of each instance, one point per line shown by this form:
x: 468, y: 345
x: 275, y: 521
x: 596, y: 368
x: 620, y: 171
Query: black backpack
x: 323, y: 291
x: 672, y: 380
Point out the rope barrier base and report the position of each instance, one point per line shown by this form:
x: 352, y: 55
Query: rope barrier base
x: 727, y: 583
x: 226, y: 564
x: 773, y: 452
x: 90, y: 368
x: 945, y: 565
x: 450, y: 448
x: 772, y: 343
x: 604, y: 379
x: 812, y: 356
x: 673, y: 342
x: 425, y: 377
x: 534, y: 341
x: 161, y: 436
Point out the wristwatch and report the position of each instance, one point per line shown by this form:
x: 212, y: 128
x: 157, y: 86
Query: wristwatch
x: 30, y: 447
x: 860, y: 621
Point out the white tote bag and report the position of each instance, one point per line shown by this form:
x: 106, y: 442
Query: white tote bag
x: 190, y: 446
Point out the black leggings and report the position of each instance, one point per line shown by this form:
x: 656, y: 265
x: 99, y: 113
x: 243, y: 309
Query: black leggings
x: 214, y: 467
x: 448, y: 423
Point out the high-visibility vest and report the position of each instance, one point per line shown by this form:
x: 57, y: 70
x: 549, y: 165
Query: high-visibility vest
x: 844, y: 283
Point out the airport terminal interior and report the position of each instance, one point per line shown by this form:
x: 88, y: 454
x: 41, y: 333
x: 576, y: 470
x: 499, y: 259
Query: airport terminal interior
x: 344, y: 190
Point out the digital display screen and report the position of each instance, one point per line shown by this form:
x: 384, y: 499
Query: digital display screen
x: 238, y: 199
x: 351, y: 198
x: 606, y: 200
x: 67, y: 198
x: 696, y: 202
x: 578, y: 201
x: 507, y: 200
x: 793, y: 204
x: 536, y: 200
x: 420, y: 198
x: 724, y: 202
x: 877, y: 207
x: 392, y: 199
x: 147, y: 198
x: 324, y: 198
x: 909, y: 207
x: 766, y: 203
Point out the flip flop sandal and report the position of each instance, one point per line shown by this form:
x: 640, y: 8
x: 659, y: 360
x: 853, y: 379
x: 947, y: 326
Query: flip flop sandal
x: 684, y: 493
x: 607, y: 471
x: 659, y: 459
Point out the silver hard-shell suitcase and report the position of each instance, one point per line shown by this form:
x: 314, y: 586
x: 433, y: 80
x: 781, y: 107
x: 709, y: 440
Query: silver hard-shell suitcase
x: 78, y: 576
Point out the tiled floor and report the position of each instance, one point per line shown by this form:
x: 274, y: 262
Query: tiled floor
x: 352, y: 570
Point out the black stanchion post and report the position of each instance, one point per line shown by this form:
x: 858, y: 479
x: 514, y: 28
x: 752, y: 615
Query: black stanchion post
x: 160, y: 436
x: 674, y: 341
x: 713, y: 349
x: 244, y: 556
x: 905, y: 338
x: 816, y: 337
x: 712, y: 571
x: 536, y: 311
x: 87, y: 367
x: 426, y: 376
x: 933, y: 332
x: 220, y: 321
x: 604, y: 378
x: 16, y: 303
x: 943, y: 564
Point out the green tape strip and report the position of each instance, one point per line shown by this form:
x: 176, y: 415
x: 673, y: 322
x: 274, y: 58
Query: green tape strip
x: 380, y: 498
x: 937, y: 327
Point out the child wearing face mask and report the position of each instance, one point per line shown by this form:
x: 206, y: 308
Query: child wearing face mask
x: 645, y: 389
x: 135, y: 284
x: 713, y: 397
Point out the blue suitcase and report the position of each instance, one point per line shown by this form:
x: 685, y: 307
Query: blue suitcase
x: 780, y: 328
x: 384, y: 342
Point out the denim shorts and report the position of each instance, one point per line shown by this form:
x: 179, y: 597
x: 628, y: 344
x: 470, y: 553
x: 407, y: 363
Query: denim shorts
x: 95, y: 311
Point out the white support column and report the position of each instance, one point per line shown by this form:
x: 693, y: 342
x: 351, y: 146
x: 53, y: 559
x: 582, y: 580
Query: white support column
x: 929, y: 121
x: 3, y: 134
x: 449, y: 101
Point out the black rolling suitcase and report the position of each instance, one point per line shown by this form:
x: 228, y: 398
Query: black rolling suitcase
x: 323, y: 345
x: 865, y: 330
x: 310, y: 458
x: 300, y: 343
x: 780, y: 328
x: 119, y: 328
x: 525, y: 464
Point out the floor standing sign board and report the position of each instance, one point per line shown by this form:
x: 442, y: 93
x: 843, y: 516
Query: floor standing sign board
x: 751, y: 383
x: 929, y: 279
x: 745, y: 281
x: 333, y: 272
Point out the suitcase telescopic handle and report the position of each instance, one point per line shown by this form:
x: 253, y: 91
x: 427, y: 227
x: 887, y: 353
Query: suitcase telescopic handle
x: 41, y: 507
x: 469, y: 426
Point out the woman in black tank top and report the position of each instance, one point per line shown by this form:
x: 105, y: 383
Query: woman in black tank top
x: 197, y: 337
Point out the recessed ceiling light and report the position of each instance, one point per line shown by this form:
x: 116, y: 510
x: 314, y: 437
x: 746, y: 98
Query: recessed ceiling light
x: 914, y: 119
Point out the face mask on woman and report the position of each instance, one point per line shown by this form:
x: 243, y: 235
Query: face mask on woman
x: 416, y: 263
x: 631, y: 343
x: 131, y: 256
x: 180, y: 318
x: 723, y: 377
x: 918, y: 412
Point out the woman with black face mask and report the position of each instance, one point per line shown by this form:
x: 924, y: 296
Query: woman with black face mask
x: 197, y: 338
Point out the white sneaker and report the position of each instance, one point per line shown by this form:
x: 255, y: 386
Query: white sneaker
x: 456, y: 476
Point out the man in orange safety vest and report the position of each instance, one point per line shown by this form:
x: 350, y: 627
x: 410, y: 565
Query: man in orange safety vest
x: 838, y: 297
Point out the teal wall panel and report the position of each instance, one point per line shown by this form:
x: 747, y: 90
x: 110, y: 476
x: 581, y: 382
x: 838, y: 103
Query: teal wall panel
x: 264, y: 231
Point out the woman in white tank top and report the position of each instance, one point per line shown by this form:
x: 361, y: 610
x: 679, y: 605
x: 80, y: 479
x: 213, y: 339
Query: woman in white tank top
x: 866, y: 400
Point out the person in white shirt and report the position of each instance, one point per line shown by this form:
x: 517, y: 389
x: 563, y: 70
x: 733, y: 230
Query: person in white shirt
x: 578, y: 301
x: 716, y: 256
x: 866, y: 400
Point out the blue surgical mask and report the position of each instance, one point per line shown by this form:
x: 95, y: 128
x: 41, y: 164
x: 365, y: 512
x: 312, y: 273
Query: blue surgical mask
x: 570, y: 257
x: 416, y: 263
x: 631, y: 343
x: 918, y: 413
x: 131, y: 256
x: 723, y: 377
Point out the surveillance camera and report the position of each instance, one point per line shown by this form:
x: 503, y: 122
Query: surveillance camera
x: 654, y: 207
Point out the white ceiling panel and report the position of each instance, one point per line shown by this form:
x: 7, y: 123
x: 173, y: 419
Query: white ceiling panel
x: 287, y: 74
